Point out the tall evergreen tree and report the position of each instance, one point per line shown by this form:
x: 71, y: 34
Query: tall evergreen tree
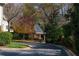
x: 73, y: 28
x: 75, y: 24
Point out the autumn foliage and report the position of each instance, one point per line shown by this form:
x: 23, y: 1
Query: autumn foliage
x: 24, y: 25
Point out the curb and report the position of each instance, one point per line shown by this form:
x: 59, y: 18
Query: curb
x: 68, y: 51
x: 14, y: 49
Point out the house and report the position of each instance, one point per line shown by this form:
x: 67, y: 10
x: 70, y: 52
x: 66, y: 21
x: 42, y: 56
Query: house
x: 3, y: 23
x: 26, y: 25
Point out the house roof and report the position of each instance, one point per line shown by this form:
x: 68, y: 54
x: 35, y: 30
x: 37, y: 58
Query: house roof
x: 38, y: 29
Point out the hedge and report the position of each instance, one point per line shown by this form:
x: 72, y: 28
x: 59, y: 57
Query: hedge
x: 5, y: 38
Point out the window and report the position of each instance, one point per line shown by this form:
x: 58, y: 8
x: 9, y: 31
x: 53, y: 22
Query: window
x: 7, y: 27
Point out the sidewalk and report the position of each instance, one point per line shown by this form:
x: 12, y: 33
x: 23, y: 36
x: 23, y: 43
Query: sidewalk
x: 14, y: 49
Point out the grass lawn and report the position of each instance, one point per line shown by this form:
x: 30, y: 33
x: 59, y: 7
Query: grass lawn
x: 16, y: 45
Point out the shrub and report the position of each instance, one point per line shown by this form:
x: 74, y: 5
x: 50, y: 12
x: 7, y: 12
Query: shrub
x: 5, y: 38
x: 19, y: 36
x: 53, y: 33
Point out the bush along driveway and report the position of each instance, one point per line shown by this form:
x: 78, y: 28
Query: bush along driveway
x: 38, y: 49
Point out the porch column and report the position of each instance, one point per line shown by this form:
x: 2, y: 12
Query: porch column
x: 44, y: 39
x: 40, y: 36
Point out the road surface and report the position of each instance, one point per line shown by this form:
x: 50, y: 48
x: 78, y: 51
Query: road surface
x: 38, y: 49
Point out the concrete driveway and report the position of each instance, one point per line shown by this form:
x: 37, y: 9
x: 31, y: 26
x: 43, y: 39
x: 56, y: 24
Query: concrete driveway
x: 39, y: 49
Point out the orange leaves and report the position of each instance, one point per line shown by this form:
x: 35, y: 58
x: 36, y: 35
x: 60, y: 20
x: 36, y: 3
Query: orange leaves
x: 24, y: 25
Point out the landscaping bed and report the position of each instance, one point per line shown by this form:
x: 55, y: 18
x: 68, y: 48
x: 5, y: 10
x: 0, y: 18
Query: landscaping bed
x: 7, y: 43
x: 16, y: 45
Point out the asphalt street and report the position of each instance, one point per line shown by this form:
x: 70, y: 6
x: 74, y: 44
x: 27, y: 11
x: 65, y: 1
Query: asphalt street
x: 38, y: 49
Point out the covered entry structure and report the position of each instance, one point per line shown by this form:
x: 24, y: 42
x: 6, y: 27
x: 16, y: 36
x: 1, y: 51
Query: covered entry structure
x: 39, y: 33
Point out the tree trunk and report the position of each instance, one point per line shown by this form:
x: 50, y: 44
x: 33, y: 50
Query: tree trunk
x: 73, y: 42
x: 8, y: 27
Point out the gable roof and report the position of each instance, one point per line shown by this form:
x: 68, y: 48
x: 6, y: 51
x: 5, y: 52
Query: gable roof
x: 38, y: 29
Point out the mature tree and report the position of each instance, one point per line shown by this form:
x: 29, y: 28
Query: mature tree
x: 24, y: 23
x: 75, y: 24
x: 28, y: 10
x: 72, y: 28
x: 51, y: 11
x: 11, y: 11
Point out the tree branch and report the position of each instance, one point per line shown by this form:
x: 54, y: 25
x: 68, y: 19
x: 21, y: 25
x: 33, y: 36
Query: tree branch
x: 45, y: 12
x: 15, y: 14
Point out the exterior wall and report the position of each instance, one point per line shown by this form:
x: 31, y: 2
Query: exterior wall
x: 1, y: 14
x: 3, y: 23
